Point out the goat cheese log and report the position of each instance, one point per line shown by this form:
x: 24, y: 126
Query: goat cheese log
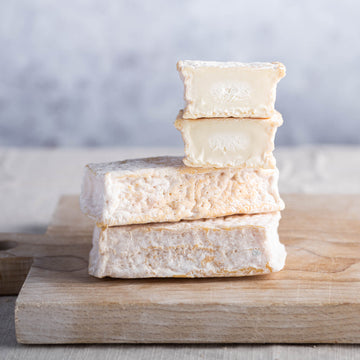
x: 229, y: 89
x: 163, y: 189
x: 236, y: 245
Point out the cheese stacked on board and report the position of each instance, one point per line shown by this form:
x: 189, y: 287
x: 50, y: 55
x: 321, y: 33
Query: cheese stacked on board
x: 215, y: 212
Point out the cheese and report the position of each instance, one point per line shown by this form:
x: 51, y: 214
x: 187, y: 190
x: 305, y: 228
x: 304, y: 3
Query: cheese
x: 233, y: 142
x: 232, y: 246
x: 163, y: 189
x: 229, y: 89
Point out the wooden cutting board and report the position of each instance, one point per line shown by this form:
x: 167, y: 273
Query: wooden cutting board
x: 316, y: 299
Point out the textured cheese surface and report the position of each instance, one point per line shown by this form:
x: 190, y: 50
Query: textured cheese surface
x: 229, y: 89
x: 237, y: 245
x: 229, y: 142
x: 164, y: 189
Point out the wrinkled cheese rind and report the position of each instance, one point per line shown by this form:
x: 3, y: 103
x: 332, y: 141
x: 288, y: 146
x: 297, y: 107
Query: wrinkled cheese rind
x: 229, y: 142
x: 237, y: 245
x: 164, y: 189
x: 229, y: 89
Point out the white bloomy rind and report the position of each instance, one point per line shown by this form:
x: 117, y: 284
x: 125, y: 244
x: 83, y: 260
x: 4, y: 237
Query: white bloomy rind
x: 229, y: 142
x: 229, y: 89
x: 236, y: 245
x: 164, y: 189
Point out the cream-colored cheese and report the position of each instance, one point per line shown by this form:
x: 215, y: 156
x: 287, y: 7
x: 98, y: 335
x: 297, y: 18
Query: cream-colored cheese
x: 232, y: 246
x: 164, y: 189
x: 233, y: 142
x: 229, y: 89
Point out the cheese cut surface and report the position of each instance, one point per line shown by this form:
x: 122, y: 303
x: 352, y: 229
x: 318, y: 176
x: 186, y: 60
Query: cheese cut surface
x: 163, y: 189
x: 229, y: 89
x: 237, y: 245
x: 229, y: 142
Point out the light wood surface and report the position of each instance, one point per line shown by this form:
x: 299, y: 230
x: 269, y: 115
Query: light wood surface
x: 315, y: 299
x: 32, y: 180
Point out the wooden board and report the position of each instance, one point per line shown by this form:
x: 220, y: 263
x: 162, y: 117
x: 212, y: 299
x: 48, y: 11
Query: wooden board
x: 314, y: 300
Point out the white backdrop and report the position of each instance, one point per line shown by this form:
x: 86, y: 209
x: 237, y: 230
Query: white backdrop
x: 91, y: 72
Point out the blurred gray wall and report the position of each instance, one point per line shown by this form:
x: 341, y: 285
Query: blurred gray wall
x: 96, y: 72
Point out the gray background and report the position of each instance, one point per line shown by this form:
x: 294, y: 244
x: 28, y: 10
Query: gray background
x: 96, y: 72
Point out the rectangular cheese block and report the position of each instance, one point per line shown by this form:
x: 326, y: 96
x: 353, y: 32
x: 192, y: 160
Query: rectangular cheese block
x: 164, y: 189
x: 229, y: 142
x: 229, y: 89
x: 237, y: 245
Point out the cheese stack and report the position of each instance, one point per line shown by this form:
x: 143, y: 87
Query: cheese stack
x: 215, y: 213
x: 229, y: 118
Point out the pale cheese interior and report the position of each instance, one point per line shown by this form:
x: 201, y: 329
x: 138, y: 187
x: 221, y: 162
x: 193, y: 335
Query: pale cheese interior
x: 228, y: 142
x: 221, y: 90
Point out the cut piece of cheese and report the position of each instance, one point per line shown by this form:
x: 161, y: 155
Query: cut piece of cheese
x: 229, y: 142
x: 236, y: 245
x: 164, y: 189
x: 229, y: 89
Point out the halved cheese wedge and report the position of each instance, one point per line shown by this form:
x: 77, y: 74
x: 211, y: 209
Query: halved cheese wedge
x: 236, y: 245
x: 229, y: 142
x: 229, y: 89
x: 164, y: 189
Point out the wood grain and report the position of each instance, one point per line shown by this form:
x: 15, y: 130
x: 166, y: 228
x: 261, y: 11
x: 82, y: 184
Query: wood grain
x: 314, y: 300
